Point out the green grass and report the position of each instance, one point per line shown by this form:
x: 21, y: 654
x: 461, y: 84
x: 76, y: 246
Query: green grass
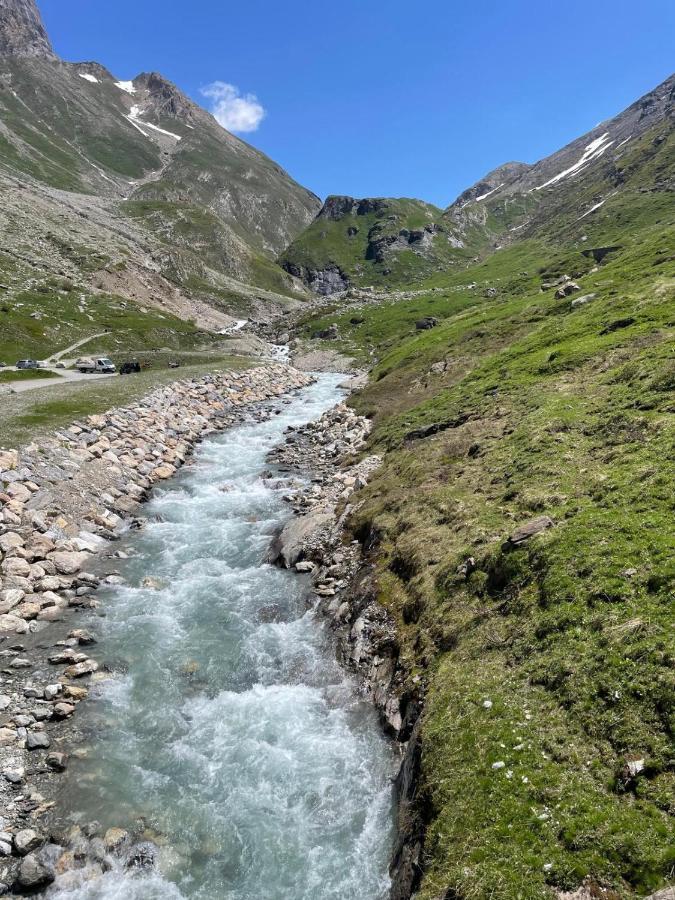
x: 67, y: 314
x: 545, y: 409
x: 26, y: 416
x: 26, y: 375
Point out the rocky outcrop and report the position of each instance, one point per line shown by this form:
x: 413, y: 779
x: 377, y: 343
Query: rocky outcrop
x: 325, y: 281
x: 22, y: 32
x: 337, y: 207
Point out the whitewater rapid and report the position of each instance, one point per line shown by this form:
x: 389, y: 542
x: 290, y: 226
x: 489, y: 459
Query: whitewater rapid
x: 226, y: 727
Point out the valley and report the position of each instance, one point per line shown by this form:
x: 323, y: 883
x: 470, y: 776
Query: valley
x: 460, y: 583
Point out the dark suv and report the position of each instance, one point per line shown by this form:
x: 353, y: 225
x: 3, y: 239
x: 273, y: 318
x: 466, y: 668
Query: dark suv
x: 28, y: 364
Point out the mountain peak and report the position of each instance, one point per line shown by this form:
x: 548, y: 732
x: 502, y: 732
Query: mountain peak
x: 22, y: 31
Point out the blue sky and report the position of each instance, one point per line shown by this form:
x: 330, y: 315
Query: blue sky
x: 388, y: 99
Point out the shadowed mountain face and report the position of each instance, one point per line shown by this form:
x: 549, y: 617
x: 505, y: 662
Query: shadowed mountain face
x: 206, y: 212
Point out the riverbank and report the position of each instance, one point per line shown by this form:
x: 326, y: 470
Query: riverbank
x: 62, y: 502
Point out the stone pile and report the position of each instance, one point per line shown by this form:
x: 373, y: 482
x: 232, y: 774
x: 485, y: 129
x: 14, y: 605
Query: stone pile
x: 60, y: 502
x: 314, y: 542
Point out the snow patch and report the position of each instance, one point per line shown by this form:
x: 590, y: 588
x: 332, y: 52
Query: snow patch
x: 592, y: 209
x: 127, y: 86
x: 133, y: 117
x: 594, y: 150
x: 483, y: 196
x: 88, y: 77
x: 624, y: 141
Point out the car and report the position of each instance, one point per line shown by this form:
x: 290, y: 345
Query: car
x: 101, y: 365
x: 28, y: 364
x: 59, y: 366
x: 130, y: 367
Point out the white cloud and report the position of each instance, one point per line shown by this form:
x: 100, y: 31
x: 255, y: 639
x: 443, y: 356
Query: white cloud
x: 234, y: 111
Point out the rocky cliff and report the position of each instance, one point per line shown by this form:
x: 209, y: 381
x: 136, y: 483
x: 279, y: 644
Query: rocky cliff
x: 22, y: 32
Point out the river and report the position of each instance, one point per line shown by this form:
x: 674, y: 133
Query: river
x: 226, y: 727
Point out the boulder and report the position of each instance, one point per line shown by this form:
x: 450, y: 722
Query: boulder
x: 426, y: 323
x: 34, y: 874
x: 68, y: 562
x: 289, y: 545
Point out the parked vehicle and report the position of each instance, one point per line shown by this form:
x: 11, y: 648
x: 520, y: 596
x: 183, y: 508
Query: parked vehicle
x: 101, y: 365
x: 28, y: 364
x: 128, y: 368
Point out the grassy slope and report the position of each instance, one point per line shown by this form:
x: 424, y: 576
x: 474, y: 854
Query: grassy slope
x: 201, y: 239
x: 549, y: 410
x: 328, y: 242
x: 68, y: 314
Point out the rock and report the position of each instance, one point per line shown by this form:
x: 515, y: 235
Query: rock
x: 566, y: 289
x: 529, y: 529
x: 68, y: 562
x: 9, y: 459
x: 57, y: 761
x: 52, y: 691
x: 4, y: 702
x: 15, y: 566
x: 79, y: 670
x: 34, y: 874
x: 7, y: 736
x: 26, y: 841
x: 304, y: 565
x: 290, y: 544
x: 9, y: 541
x: 37, y: 740
x: 583, y: 300
x: 328, y: 334
x: 114, y: 838
x: 9, y: 599
x: 17, y: 491
x: 155, y: 584
x: 63, y: 710
x: 426, y: 323
x: 12, y: 624
x: 82, y: 636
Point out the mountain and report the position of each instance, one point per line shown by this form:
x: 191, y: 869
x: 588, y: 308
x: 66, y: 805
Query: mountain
x: 388, y: 243
x: 614, y: 160
x: 161, y: 201
x: 518, y: 533
x: 371, y: 241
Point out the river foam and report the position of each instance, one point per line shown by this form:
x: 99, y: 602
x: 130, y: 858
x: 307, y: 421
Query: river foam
x: 227, y: 727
